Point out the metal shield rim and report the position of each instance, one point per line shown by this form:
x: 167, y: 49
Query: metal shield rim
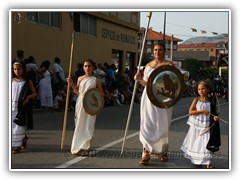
x: 85, y: 106
x: 150, y: 82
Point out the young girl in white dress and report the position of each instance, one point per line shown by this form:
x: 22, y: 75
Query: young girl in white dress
x: 18, y: 102
x: 84, y: 122
x: 195, y: 143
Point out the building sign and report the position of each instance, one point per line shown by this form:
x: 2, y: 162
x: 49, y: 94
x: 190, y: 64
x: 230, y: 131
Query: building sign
x: 112, y: 35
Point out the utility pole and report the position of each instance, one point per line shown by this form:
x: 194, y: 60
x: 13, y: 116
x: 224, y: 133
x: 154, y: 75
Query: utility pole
x: 172, y: 48
x: 164, y: 27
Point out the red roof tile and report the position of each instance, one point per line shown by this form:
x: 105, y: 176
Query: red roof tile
x: 199, y: 45
x: 154, y: 35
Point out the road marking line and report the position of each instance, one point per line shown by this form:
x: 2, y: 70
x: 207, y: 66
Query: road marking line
x: 77, y: 159
x: 179, y: 118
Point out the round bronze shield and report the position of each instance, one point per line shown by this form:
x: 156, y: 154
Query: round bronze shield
x: 165, y: 86
x: 93, y: 101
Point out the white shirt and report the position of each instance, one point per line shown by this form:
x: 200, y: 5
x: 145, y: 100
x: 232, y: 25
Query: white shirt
x: 58, y: 69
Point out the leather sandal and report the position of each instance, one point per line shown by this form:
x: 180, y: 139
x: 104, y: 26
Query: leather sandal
x: 16, y: 150
x: 164, y: 157
x: 145, y: 159
x: 85, y: 152
x: 78, y: 153
x: 24, y: 142
x: 210, y: 166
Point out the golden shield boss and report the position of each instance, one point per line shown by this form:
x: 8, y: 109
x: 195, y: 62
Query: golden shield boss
x: 93, y: 101
x: 165, y: 86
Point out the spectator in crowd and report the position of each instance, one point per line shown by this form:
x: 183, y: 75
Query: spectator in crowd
x: 117, y: 97
x: 45, y: 87
x: 59, y: 101
x: 100, y: 74
x: 79, y: 71
x: 59, y: 80
x: 20, y: 56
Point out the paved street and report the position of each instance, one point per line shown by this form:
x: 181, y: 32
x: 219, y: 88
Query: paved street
x: 44, y: 152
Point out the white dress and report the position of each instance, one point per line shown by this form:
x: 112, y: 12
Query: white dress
x: 155, y: 122
x: 84, y: 122
x: 45, y: 90
x: 194, y: 144
x: 18, y: 132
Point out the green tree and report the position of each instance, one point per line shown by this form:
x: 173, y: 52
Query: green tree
x: 194, y: 67
x: 211, y: 71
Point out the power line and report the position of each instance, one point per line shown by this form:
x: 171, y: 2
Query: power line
x: 193, y: 29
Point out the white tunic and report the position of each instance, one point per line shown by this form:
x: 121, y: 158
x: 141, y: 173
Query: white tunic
x: 84, y: 122
x: 18, y: 132
x: 194, y: 144
x: 155, y: 122
x: 45, y: 90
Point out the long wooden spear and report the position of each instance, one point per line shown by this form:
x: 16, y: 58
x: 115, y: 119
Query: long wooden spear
x: 68, y: 93
x: 135, y: 84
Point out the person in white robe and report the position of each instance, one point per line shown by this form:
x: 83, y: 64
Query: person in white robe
x: 84, y: 122
x: 18, y: 83
x: 155, y: 121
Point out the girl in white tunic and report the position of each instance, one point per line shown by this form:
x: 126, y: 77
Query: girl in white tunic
x: 155, y: 122
x: 84, y: 122
x: 195, y: 142
x: 18, y: 83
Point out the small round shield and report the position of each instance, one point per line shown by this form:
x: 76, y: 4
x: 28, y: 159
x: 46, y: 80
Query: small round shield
x: 165, y: 86
x: 93, y: 101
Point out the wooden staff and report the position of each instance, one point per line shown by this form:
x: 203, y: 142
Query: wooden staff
x: 68, y: 93
x: 135, y: 84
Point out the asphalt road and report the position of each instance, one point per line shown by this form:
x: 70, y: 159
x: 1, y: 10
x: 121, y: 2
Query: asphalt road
x: 44, y: 151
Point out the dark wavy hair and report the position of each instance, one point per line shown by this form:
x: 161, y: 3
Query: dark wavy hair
x: 45, y: 64
x: 90, y: 61
x: 206, y: 84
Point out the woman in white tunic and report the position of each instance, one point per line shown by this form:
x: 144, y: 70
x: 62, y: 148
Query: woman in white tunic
x: 155, y: 122
x: 45, y: 86
x: 84, y: 122
x: 195, y: 142
x: 18, y: 83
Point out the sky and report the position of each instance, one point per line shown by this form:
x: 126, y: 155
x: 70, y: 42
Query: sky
x: 183, y: 25
x: 180, y: 22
